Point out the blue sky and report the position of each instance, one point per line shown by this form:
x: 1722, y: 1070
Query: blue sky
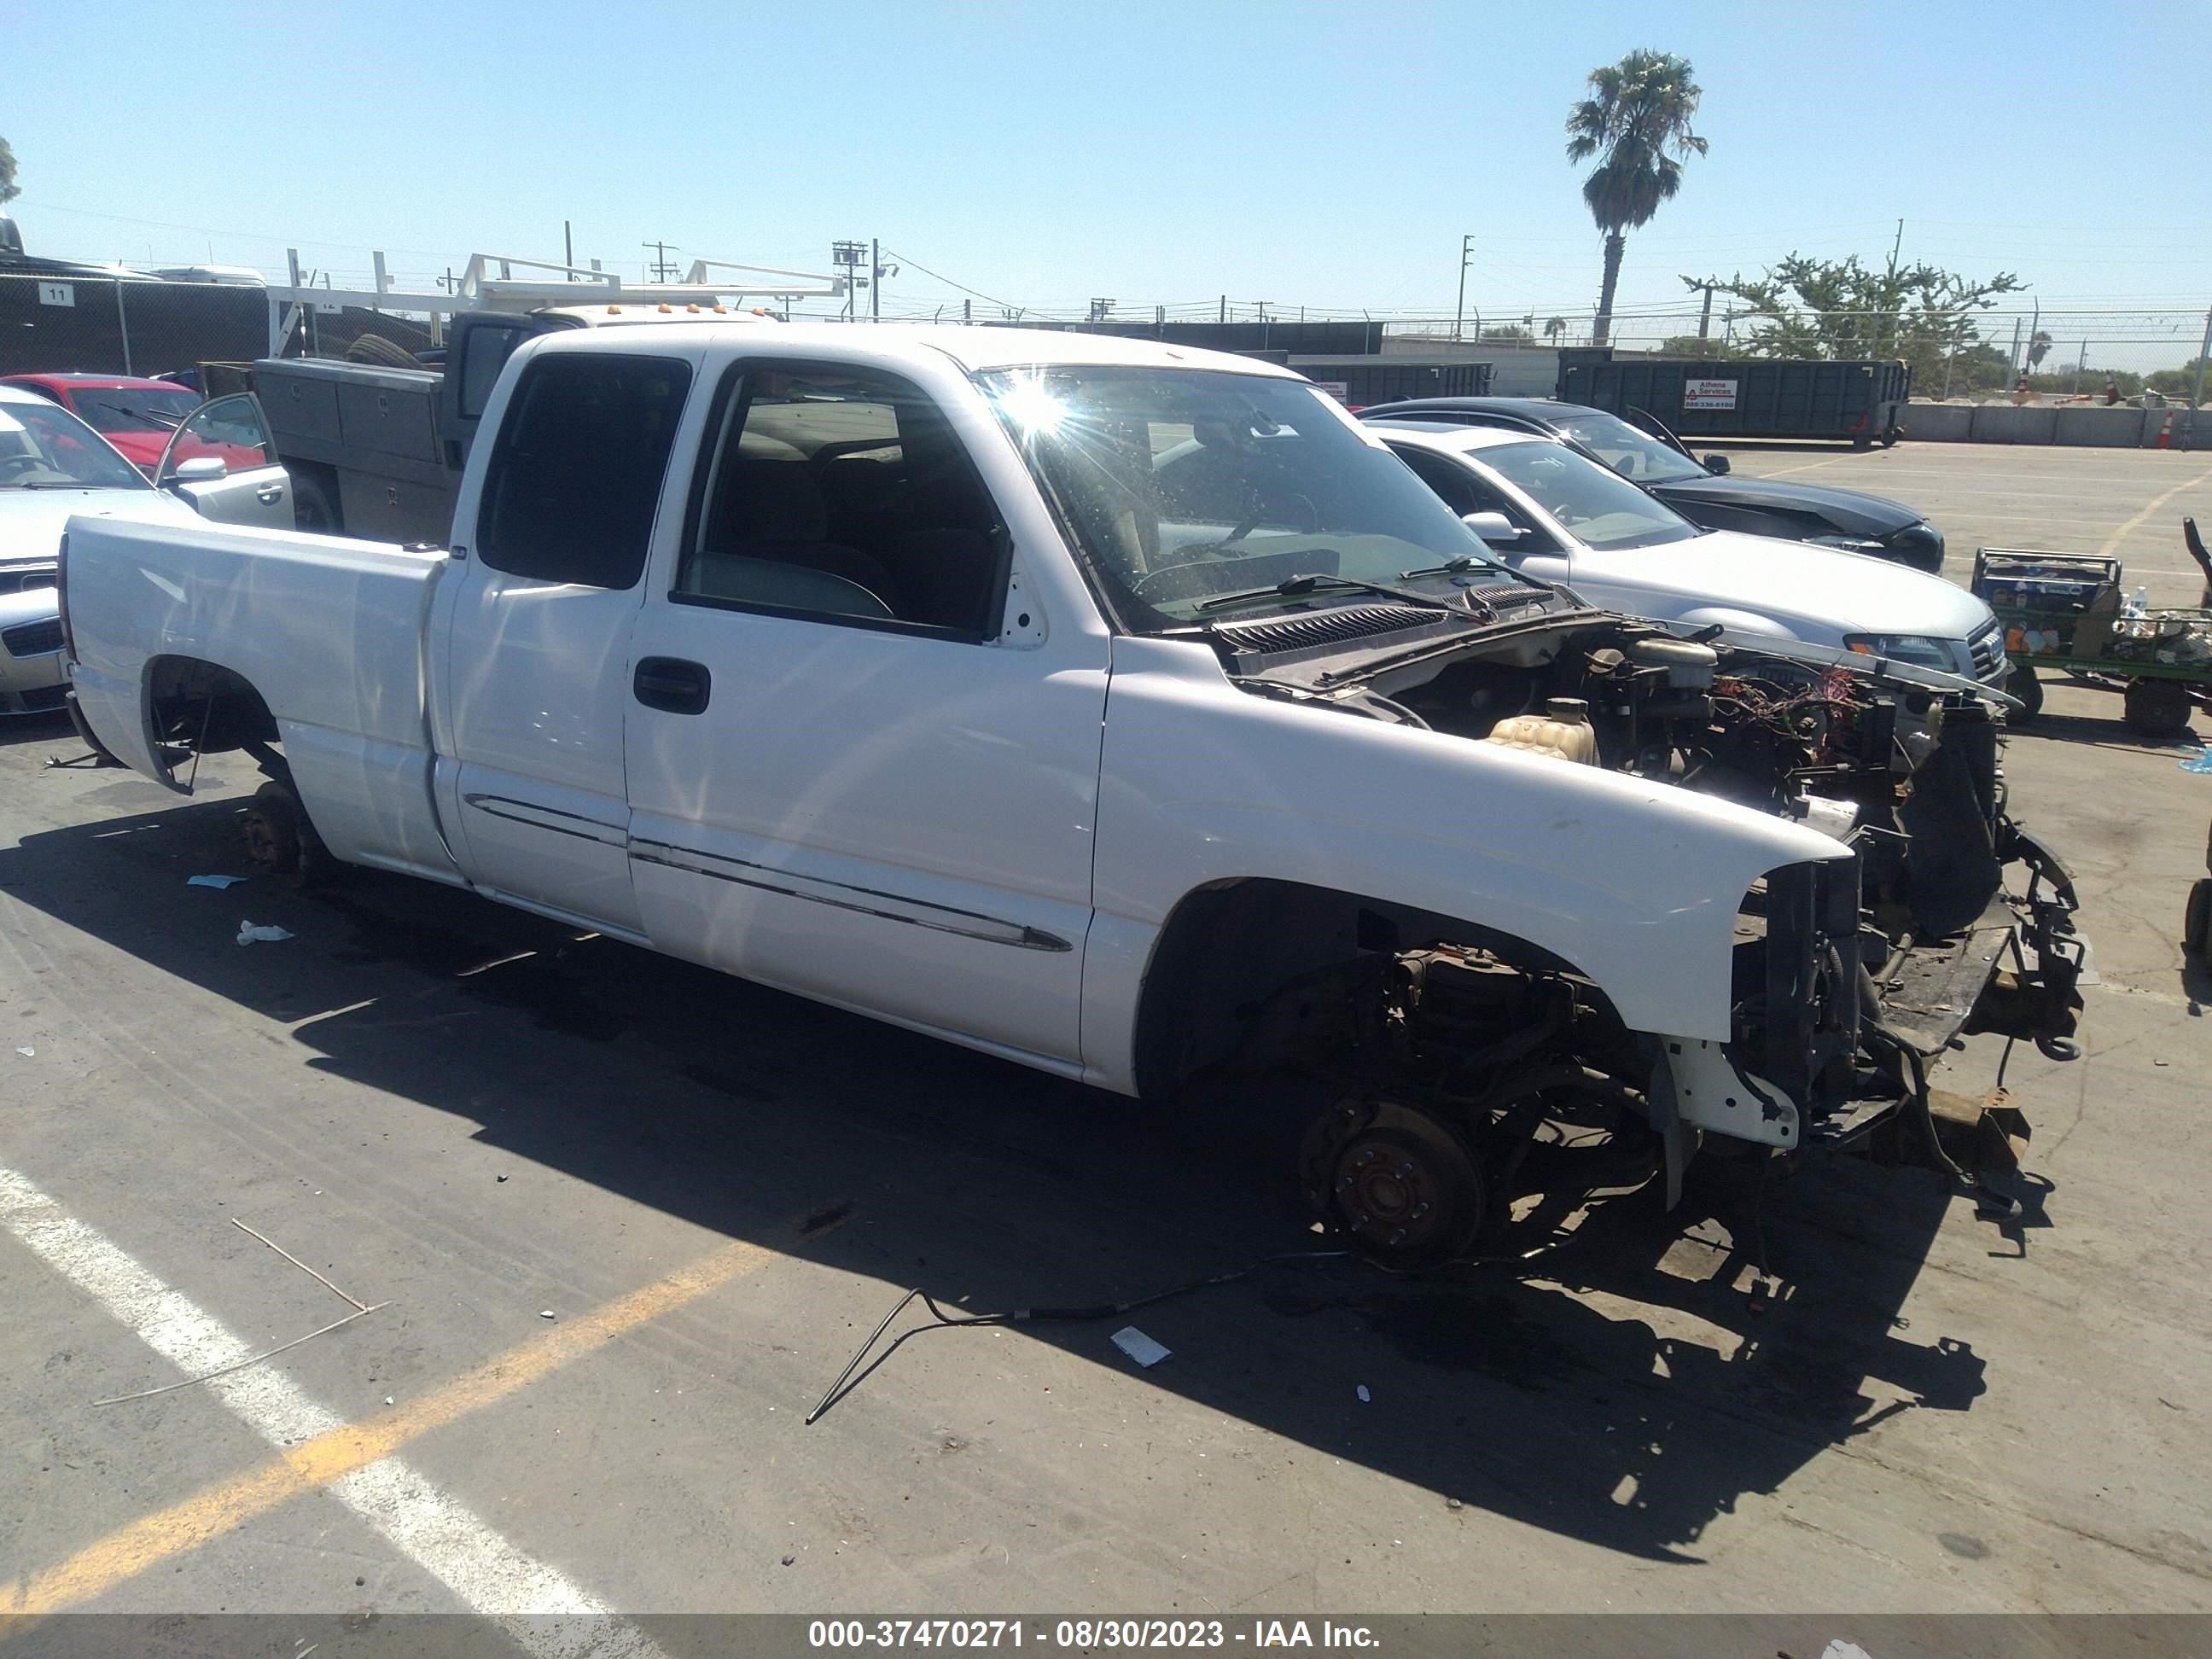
x: 1326, y: 156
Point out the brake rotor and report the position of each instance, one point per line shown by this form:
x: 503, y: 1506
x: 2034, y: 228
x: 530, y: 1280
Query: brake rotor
x: 1404, y: 1190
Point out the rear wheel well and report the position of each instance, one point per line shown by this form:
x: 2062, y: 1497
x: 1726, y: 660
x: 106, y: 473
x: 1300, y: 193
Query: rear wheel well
x: 196, y: 706
x: 1214, y: 994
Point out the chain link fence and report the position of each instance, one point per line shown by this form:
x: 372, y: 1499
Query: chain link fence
x: 2063, y: 351
x: 126, y: 324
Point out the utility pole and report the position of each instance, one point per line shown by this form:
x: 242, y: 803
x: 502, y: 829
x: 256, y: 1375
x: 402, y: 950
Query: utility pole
x: 1705, y: 316
x: 662, y: 271
x: 2203, y: 351
x: 1225, y: 307
x: 848, y: 258
x: 567, y: 249
x: 1459, y: 317
x: 2197, y: 398
x: 875, y: 280
x: 1897, y: 245
x: 1100, y: 310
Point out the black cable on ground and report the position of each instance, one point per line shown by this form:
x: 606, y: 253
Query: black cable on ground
x: 939, y: 1319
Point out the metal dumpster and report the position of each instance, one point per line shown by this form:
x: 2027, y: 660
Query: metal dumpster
x: 1857, y: 403
x: 1356, y: 382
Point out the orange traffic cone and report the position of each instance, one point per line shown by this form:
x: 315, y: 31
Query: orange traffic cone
x: 2166, y: 433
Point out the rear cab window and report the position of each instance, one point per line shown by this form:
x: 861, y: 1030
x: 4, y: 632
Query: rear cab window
x: 574, y: 479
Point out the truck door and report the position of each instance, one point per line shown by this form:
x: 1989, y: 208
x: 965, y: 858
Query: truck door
x: 534, y: 670
x: 858, y: 769
x: 222, y: 462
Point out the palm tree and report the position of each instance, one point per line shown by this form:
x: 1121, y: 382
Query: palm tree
x: 2039, y: 348
x: 1636, y: 122
x: 1554, y: 327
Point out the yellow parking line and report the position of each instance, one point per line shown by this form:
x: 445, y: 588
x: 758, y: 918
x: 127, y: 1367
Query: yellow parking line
x: 2128, y: 529
x: 229, y: 1503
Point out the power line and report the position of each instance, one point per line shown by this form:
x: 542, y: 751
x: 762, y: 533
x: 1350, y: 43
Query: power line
x: 212, y: 230
x: 1004, y: 305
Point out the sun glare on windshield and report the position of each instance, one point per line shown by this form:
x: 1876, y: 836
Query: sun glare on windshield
x: 1031, y: 407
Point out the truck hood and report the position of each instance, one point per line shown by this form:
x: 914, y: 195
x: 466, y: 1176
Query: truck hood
x: 1815, y: 593
x: 1853, y: 512
x: 31, y: 520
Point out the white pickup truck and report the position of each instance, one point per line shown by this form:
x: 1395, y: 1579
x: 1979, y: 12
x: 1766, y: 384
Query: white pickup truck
x: 1131, y: 713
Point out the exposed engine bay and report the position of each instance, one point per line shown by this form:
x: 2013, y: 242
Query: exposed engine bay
x: 1482, y: 1080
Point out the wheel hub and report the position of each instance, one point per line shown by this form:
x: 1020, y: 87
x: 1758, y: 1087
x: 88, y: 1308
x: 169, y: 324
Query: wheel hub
x: 1404, y: 1189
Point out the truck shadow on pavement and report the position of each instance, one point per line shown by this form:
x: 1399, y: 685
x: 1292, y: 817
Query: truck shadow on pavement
x: 1621, y: 1389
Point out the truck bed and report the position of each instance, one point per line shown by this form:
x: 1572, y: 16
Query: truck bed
x: 348, y: 700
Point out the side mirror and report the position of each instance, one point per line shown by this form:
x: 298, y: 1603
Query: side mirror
x: 1716, y: 464
x: 1495, y: 528
x: 201, y: 468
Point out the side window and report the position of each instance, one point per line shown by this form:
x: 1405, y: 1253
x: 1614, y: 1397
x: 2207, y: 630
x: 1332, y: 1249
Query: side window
x: 571, y: 488
x: 1451, y: 483
x: 483, y: 354
x: 228, y: 429
x: 843, y: 493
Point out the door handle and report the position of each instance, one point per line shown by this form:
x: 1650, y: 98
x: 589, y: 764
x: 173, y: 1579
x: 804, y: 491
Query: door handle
x: 671, y: 684
x: 270, y: 495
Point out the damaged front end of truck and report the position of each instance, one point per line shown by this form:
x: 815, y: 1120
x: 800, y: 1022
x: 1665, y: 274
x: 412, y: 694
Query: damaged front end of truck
x: 1481, y: 1084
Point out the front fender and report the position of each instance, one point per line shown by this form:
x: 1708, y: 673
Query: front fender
x: 1635, y: 883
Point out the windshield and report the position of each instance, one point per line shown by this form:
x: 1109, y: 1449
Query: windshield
x: 43, y: 447
x: 1182, y: 485
x: 1632, y: 454
x: 1596, y: 507
x: 131, y: 408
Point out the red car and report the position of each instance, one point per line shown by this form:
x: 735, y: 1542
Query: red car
x: 138, y: 416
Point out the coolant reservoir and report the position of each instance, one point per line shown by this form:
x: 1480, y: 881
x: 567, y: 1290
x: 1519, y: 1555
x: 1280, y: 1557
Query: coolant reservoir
x: 1563, y: 729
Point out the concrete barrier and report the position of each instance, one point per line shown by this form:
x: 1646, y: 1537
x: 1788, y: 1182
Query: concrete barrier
x: 2011, y: 423
x: 2102, y: 426
x: 2099, y: 426
x: 1940, y: 423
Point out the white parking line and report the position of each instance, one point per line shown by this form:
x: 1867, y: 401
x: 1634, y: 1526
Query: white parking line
x: 541, y: 1607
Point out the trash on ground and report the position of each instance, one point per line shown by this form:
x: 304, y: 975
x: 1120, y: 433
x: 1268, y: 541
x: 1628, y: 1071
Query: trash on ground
x: 250, y: 933
x: 547, y: 1313
x: 27, y: 1052
x: 213, y: 881
x: 1138, y: 1346
x: 2199, y: 762
x: 1365, y: 1397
